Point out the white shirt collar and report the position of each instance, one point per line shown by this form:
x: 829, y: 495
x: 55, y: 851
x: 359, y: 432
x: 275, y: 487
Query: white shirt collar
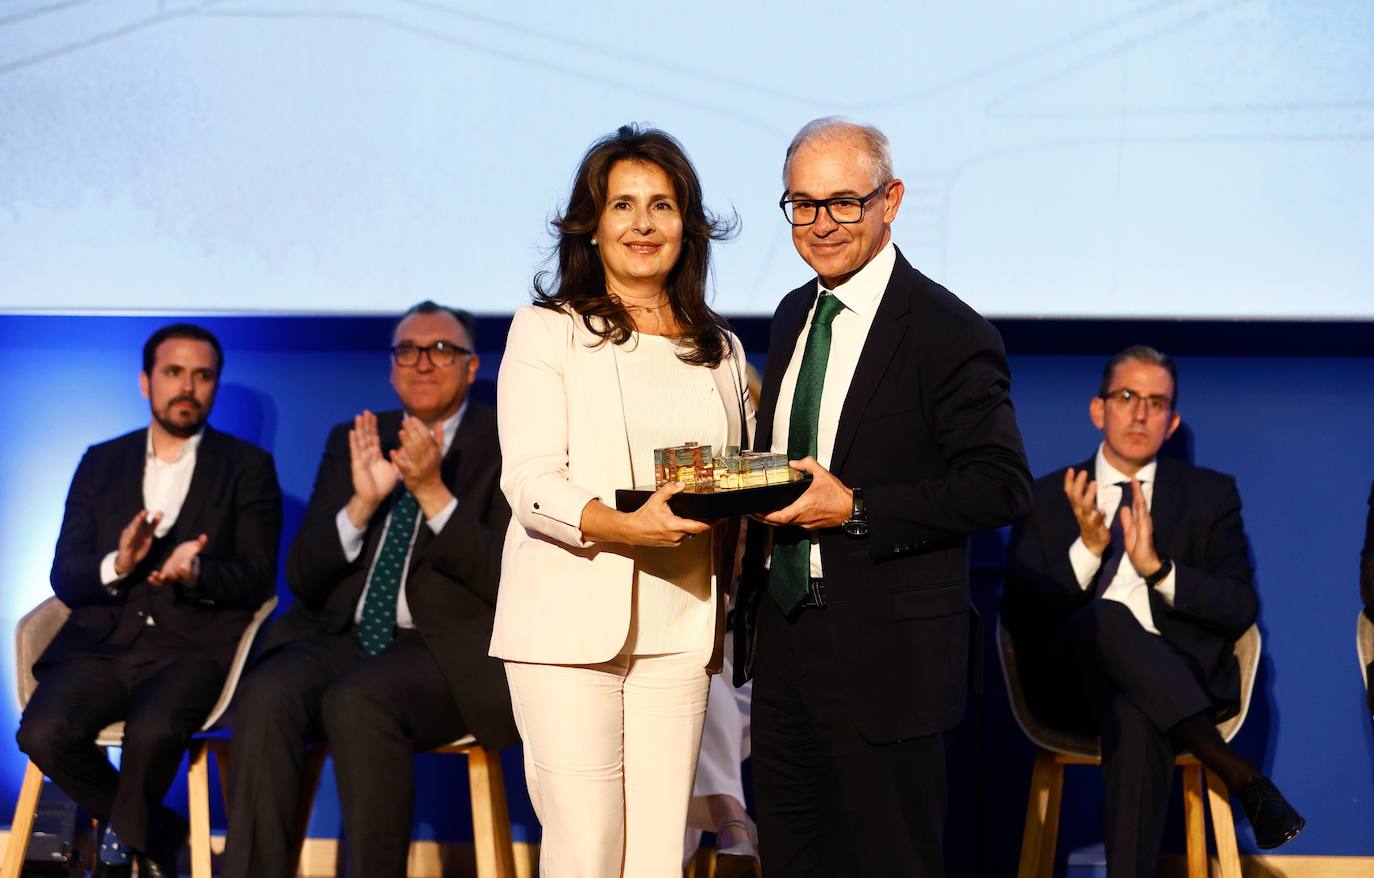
x: 188, y: 447
x: 1110, y: 475
x: 862, y: 292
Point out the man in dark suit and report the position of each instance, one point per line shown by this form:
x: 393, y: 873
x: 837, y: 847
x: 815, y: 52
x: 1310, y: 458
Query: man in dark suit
x: 168, y: 545
x: 893, y: 395
x: 1367, y: 586
x: 384, y: 653
x: 1127, y: 587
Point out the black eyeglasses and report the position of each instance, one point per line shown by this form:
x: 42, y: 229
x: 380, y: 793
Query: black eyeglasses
x: 1128, y: 399
x: 441, y: 353
x: 846, y: 209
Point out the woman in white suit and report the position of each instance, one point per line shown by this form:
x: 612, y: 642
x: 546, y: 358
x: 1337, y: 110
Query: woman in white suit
x: 610, y: 623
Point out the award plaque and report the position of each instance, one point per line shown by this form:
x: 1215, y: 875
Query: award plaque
x: 734, y: 483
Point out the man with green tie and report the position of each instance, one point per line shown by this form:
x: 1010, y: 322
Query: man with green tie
x: 384, y: 653
x: 854, y: 607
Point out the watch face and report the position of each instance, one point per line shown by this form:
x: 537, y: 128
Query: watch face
x: 855, y: 528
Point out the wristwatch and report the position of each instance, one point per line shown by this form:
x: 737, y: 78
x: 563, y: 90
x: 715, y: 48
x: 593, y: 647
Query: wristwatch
x: 857, y: 525
x: 1165, y: 568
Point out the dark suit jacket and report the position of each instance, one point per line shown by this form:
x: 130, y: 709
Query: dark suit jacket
x: 451, y: 584
x: 928, y: 432
x: 233, y: 499
x: 1197, y: 523
x: 1367, y: 560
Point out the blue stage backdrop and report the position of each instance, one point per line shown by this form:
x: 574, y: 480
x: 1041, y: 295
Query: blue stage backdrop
x: 1289, y: 410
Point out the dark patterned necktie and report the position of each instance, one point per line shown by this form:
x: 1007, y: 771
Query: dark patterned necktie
x: 789, y: 575
x: 1111, y: 561
x: 377, y: 627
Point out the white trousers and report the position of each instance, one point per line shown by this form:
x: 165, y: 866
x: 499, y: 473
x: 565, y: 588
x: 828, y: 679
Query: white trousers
x: 610, y: 754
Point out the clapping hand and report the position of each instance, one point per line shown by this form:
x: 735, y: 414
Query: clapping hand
x: 135, y: 541
x: 418, y: 461
x: 1092, y: 522
x: 374, y: 477
x: 180, y: 566
x: 1138, y: 529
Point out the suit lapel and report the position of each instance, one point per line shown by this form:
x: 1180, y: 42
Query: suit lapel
x: 135, y: 461
x: 788, y: 324
x: 462, y: 441
x: 1166, y: 503
x: 728, y: 377
x: 209, y: 463
x: 884, y: 337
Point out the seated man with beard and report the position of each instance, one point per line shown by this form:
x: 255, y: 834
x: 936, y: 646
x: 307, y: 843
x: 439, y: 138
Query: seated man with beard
x: 168, y: 545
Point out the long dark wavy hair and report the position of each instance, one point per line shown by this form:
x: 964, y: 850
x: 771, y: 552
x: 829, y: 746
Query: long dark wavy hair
x: 580, y: 281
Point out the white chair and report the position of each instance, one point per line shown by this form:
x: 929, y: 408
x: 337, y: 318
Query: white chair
x: 1058, y: 749
x: 32, y: 635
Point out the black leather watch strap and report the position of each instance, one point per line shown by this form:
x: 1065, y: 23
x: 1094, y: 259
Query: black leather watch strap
x: 857, y: 525
x: 1165, y: 568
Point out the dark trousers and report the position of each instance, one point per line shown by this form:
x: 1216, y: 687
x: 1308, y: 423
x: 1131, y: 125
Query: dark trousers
x: 375, y: 712
x: 830, y: 803
x: 1102, y: 674
x: 162, y: 696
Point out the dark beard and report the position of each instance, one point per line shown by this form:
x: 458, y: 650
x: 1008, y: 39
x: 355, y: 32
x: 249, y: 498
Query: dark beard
x: 181, y: 431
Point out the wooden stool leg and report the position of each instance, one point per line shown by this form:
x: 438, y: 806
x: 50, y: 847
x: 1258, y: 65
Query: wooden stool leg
x: 310, y: 783
x: 490, y: 816
x: 219, y: 748
x: 1041, y: 833
x: 1193, y: 820
x: 22, y: 826
x: 1223, y: 826
x: 198, y: 804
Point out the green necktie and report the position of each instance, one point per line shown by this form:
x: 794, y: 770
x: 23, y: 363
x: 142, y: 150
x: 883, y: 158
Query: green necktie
x: 789, y: 576
x: 377, y: 627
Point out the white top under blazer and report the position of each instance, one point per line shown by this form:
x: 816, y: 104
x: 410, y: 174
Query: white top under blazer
x: 564, y: 442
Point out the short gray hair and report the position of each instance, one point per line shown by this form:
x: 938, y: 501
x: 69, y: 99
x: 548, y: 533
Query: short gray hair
x: 875, y: 144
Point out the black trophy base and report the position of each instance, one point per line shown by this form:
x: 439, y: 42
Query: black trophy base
x: 708, y: 504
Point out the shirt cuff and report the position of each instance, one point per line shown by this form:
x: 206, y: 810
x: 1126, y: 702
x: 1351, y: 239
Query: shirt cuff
x: 350, y: 537
x: 1168, y: 585
x: 441, y: 518
x: 108, y: 575
x: 1083, y: 562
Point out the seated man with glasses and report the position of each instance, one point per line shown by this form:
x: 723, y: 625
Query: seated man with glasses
x: 1126, y: 589
x: 384, y: 653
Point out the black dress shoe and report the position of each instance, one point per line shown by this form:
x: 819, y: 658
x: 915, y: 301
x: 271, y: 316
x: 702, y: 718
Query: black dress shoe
x: 1273, y: 820
x: 150, y: 868
x: 106, y: 870
x: 160, y: 860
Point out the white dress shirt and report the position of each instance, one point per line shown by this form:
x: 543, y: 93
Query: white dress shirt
x: 1128, y: 586
x: 860, y: 295
x: 165, y: 483
x: 351, y: 538
x: 673, y: 605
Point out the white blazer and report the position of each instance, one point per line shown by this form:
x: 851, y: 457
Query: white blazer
x: 563, y: 599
